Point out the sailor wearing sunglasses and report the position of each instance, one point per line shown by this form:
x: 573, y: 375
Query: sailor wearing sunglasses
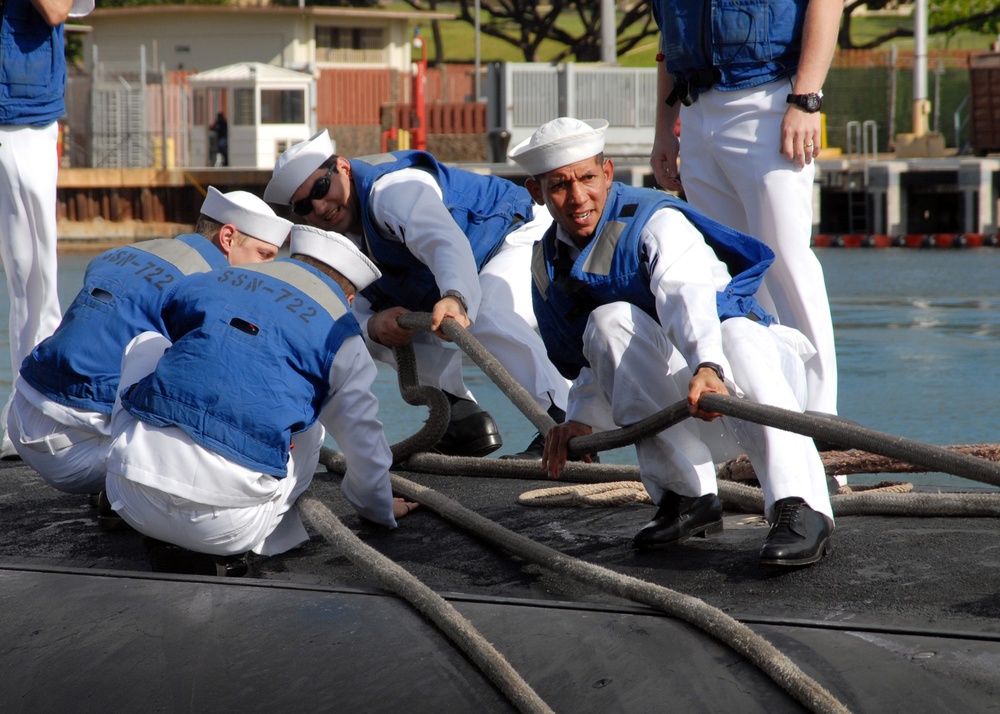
x: 448, y: 242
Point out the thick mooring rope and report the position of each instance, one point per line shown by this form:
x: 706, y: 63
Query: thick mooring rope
x: 415, y: 394
x: 731, y: 632
x: 933, y: 458
x: 517, y: 394
x: 428, y: 603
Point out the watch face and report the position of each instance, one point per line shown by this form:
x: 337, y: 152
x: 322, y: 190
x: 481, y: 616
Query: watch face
x: 811, y: 103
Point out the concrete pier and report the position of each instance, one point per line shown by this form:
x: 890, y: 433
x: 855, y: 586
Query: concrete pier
x: 875, y: 196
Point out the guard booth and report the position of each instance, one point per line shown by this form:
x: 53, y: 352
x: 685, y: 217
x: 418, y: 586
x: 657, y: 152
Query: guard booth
x: 265, y: 109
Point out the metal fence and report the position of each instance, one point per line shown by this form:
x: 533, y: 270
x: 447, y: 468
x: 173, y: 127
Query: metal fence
x: 877, y: 86
x: 862, y: 86
x: 529, y: 94
x: 141, y: 118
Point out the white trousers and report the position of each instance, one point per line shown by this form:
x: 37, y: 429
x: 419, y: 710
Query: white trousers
x: 140, y: 451
x: 506, y: 327
x: 29, y: 167
x: 69, y: 457
x: 733, y: 172
x: 640, y: 372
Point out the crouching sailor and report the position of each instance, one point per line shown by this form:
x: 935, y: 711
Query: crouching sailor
x: 636, y: 305
x: 220, y: 424
x: 60, y: 415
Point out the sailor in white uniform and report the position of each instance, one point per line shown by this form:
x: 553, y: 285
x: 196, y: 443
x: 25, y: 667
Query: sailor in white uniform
x: 449, y: 242
x: 60, y: 416
x: 215, y: 464
x: 636, y: 305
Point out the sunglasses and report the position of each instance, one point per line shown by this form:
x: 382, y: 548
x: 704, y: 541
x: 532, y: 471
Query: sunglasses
x: 321, y: 187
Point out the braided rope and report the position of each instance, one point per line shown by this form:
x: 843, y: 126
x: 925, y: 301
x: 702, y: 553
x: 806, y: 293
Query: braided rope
x: 612, y: 493
x: 881, y: 487
x: 756, y: 649
x: 398, y: 580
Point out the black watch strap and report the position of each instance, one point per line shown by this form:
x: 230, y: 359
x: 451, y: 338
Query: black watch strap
x: 811, y: 103
x: 712, y: 366
x: 458, y: 296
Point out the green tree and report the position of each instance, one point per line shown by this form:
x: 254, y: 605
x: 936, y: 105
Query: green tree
x: 577, y: 25
x: 431, y: 5
x: 944, y: 17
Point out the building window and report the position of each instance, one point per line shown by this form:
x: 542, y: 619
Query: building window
x: 282, y: 106
x: 243, y: 107
x: 353, y: 45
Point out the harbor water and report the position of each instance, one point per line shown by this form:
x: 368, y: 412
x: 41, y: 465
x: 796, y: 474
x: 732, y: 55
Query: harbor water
x: 918, y: 337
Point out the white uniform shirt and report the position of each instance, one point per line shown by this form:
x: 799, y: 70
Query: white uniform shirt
x: 685, y: 276
x: 409, y: 204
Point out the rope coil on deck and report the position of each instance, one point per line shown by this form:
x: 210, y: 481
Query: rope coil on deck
x: 612, y: 493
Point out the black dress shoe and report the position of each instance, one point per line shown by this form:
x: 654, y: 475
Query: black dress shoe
x: 799, y: 535
x: 471, y: 431
x: 168, y: 558
x: 678, y: 518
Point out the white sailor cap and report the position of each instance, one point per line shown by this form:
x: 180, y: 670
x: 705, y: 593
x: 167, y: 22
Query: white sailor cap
x: 559, y: 143
x: 248, y: 213
x: 337, y: 251
x: 295, y: 165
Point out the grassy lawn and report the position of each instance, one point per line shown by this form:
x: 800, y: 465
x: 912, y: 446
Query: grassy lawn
x: 868, y: 28
x: 458, y: 39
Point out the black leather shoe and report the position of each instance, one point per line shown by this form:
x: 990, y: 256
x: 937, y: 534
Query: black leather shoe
x: 168, y: 558
x: 107, y: 519
x: 678, y: 518
x: 799, y: 535
x: 471, y: 431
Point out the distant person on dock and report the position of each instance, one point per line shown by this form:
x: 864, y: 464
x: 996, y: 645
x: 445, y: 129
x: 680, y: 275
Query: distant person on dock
x: 32, y: 89
x: 221, y: 128
x: 448, y: 242
x: 749, y: 107
x: 637, y: 306
x: 210, y: 467
x: 60, y: 416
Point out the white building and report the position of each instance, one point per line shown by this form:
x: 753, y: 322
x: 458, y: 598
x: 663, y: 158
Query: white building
x: 140, y: 60
x: 202, y: 37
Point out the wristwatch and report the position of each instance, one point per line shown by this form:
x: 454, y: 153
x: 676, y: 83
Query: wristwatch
x: 714, y: 367
x: 458, y: 296
x: 810, y: 103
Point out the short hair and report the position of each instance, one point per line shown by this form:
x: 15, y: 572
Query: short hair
x: 209, y: 228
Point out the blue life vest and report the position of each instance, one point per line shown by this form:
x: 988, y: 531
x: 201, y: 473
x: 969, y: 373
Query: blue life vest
x: 250, y: 361
x: 486, y: 209
x: 730, y: 44
x: 614, y: 268
x: 124, y: 289
x: 32, y: 67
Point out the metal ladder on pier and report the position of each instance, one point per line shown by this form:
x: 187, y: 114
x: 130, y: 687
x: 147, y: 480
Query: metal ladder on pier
x: 862, y: 145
